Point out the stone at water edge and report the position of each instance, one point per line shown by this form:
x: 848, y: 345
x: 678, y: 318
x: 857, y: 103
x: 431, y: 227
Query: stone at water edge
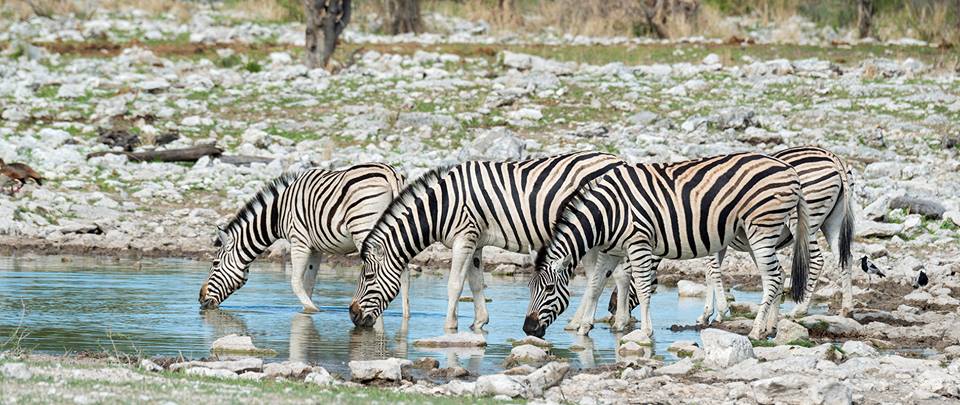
x: 392, y: 369
x: 683, y: 366
x: 788, y: 331
x: 234, y: 343
x: 691, y: 289
x: 832, y: 324
x: 426, y: 363
x: 856, y: 348
x: 528, y: 354
x: 235, y: 366
x: 638, y: 337
x: 212, y: 372
x: 522, y: 369
x: 723, y: 349
x: 461, y: 339
x: 498, y: 384
x: 683, y: 348
x: 286, y: 369
x: 532, y: 340
x: 149, y: 365
x: 632, y: 347
x: 319, y: 376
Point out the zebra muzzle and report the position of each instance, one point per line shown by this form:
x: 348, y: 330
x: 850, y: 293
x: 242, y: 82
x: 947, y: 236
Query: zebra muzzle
x: 358, y: 317
x: 532, y: 326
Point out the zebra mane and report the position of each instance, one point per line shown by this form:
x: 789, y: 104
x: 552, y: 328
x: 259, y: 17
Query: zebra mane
x: 564, y: 218
x: 429, y: 178
x: 269, y: 192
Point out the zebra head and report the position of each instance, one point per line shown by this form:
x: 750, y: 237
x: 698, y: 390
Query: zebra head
x: 374, y: 289
x: 549, y: 294
x: 227, y: 273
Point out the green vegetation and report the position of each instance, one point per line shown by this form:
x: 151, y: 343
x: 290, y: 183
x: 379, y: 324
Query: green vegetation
x: 802, y: 342
x: 762, y: 343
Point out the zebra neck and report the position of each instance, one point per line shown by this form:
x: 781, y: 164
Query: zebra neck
x: 256, y: 235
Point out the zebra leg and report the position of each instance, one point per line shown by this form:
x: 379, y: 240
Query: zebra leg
x: 771, y: 275
x: 626, y: 292
x: 463, y: 250
x: 589, y: 265
x: 475, y: 278
x: 596, y: 280
x: 832, y: 231
x: 310, y: 276
x: 715, y: 293
x: 300, y: 255
x: 642, y: 264
x: 816, y: 265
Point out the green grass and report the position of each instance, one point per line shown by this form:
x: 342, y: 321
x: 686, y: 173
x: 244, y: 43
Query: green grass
x: 762, y: 343
x: 804, y: 342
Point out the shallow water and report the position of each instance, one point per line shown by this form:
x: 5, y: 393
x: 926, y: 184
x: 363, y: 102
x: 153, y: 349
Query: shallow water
x: 88, y: 304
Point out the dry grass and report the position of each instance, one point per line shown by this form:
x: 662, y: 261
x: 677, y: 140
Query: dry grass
x: 934, y: 21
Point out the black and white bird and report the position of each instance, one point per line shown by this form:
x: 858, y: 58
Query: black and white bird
x: 921, y: 279
x: 870, y: 268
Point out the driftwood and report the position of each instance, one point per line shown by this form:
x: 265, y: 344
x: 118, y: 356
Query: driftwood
x: 170, y: 155
x: 244, y: 160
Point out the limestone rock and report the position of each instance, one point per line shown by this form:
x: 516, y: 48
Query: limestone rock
x: 723, y: 349
x: 788, y: 331
x: 392, y: 370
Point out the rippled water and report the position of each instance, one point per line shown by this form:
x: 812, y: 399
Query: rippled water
x: 86, y: 304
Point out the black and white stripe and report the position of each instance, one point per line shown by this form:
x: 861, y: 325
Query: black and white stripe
x: 826, y: 188
x: 511, y: 205
x: 678, y: 210
x: 317, y: 211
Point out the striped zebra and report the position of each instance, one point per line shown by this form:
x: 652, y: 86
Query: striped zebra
x: 318, y: 211
x: 678, y: 210
x: 826, y: 188
x: 511, y: 205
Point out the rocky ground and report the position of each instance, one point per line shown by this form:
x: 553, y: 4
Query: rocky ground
x: 70, y: 87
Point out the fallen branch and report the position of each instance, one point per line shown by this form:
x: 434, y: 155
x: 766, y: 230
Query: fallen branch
x: 191, y: 154
x: 244, y: 160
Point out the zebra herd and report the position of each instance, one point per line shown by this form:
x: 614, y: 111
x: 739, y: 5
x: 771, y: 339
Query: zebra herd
x: 620, y: 219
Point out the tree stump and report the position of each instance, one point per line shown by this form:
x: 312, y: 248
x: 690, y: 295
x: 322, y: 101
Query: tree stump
x: 402, y: 16
x: 326, y: 20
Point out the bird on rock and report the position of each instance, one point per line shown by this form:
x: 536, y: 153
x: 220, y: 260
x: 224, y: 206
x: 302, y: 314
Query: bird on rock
x: 921, y: 279
x: 870, y: 268
x: 19, y: 173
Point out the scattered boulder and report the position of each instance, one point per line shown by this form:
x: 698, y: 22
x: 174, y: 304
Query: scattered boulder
x: 16, y: 371
x: 684, y: 348
x: 461, y: 339
x: 449, y: 373
x: 498, y: 384
x: 832, y: 325
x: 498, y: 143
x: 426, y: 363
x: 681, y: 367
x: 856, y: 348
x: 723, y: 349
x: 914, y: 205
x: 545, y: 377
x: 234, y: 343
x: 390, y: 370
x: 212, y: 372
x: 522, y: 369
x: 871, y: 229
x: 532, y: 340
x: 789, y: 331
x: 638, y: 337
x: 287, y: 369
x: 234, y: 366
x: 149, y: 365
x: 525, y: 354
x: 319, y: 376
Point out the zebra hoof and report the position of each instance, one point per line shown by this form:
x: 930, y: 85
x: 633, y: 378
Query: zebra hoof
x: 584, y: 330
x: 310, y: 309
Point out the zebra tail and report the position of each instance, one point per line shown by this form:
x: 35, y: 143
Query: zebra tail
x: 801, y: 251
x: 846, y: 229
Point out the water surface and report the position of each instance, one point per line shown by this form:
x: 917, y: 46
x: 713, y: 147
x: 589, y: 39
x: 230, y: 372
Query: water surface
x: 89, y: 304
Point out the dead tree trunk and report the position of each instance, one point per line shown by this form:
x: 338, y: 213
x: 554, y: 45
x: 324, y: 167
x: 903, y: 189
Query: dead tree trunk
x: 326, y: 20
x: 507, y: 13
x: 170, y: 155
x: 402, y: 16
x: 655, y: 13
x: 865, y: 10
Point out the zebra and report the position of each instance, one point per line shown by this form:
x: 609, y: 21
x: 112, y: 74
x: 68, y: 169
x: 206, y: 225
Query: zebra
x: 680, y: 210
x: 317, y: 211
x: 827, y: 189
x: 511, y: 205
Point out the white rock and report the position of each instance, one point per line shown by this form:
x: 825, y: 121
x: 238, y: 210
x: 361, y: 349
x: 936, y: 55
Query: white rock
x: 72, y: 90
x: 687, y: 346
x: 149, y: 365
x: 234, y: 343
x: 532, y: 340
x: 498, y: 143
x: 641, y: 373
x: 637, y: 337
x: 788, y: 331
x: 16, y: 371
x: 286, y: 369
x: 461, y: 339
x: 252, y: 375
x: 834, y: 324
x: 856, y: 348
x: 870, y: 229
x: 723, y: 349
x: 459, y: 387
x: 498, y: 384
x: 681, y: 367
x: 153, y: 85
x: 711, y: 59
x: 392, y: 369
x: 545, y: 377
x: 525, y: 354
x: 212, y: 372
x: 952, y: 216
x: 525, y: 114
x: 235, y: 366
x: 319, y: 376
x: 691, y: 289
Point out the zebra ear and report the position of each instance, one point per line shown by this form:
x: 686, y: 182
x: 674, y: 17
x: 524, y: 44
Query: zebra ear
x: 223, y: 239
